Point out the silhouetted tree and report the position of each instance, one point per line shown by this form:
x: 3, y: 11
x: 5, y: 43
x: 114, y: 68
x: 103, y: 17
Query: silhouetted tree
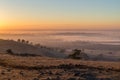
x: 23, y: 41
x: 19, y: 40
x: 9, y: 51
x: 75, y: 54
x: 27, y: 42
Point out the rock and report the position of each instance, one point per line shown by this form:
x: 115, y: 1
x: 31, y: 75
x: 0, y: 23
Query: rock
x: 41, y: 73
x: 13, y: 76
x: 104, y: 79
x: 72, y: 79
x: 50, y: 73
x: 88, y: 76
x: 77, y: 73
x: 48, y: 78
x: 21, y: 73
x: 35, y: 79
x: 3, y: 72
x: 9, y: 70
x: 58, y: 78
x: 59, y: 74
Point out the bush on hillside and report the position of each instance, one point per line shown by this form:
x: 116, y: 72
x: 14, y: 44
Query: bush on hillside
x: 75, y: 54
x: 78, y: 54
x: 9, y: 51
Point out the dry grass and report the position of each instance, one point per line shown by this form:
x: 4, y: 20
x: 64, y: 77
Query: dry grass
x: 38, y: 62
x: 29, y: 68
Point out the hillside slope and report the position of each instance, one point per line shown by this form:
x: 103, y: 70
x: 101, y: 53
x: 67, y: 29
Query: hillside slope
x: 22, y: 48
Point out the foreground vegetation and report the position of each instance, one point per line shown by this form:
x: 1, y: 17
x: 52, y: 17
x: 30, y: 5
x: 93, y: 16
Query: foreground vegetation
x: 13, y: 67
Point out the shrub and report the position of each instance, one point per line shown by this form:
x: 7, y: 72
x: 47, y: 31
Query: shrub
x: 75, y: 54
x: 9, y: 51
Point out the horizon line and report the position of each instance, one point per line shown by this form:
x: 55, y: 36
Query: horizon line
x: 60, y: 29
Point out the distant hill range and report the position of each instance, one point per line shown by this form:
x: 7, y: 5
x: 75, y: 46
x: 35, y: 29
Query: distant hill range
x: 18, y: 47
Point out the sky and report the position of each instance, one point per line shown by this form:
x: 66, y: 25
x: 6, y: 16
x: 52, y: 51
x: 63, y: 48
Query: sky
x: 59, y: 14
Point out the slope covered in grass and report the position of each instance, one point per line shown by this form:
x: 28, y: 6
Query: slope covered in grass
x: 23, y: 48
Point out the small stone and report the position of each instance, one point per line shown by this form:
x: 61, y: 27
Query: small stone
x: 48, y: 78
x: 3, y: 72
x: 35, y: 79
x: 77, y: 73
x: 72, y: 79
x: 58, y: 78
x: 21, y: 73
x: 9, y: 70
x: 88, y: 76
x: 50, y: 73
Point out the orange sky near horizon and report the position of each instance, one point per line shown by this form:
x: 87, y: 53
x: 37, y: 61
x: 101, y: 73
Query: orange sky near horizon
x: 8, y: 22
x: 31, y: 24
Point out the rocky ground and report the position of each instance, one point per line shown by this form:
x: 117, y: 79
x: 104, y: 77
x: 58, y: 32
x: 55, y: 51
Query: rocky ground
x: 57, y: 74
x: 43, y: 68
